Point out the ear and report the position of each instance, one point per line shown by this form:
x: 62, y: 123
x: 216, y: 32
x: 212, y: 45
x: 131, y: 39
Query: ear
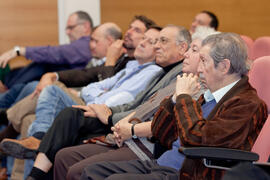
x: 224, y: 66
x: 86, y: 25
x: 182, y: 48
x: 110, y: 39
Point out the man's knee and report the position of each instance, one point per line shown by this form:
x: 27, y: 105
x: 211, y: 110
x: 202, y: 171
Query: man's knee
x: 74, y: 172
x: 60, y: 157
x: 70, y: 112
x: 50, y: 90
x: 31, y: 85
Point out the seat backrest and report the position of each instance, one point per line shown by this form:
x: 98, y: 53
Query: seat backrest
x: 262, y: 143
x: 249, y: 42
x: 259, y: 78
x: 261, y: 47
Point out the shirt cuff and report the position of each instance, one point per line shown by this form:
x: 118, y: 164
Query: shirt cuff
x: 57, y: 76
x: 173, y: 99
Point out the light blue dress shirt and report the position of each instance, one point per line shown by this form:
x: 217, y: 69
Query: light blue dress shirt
x: 122, y: 87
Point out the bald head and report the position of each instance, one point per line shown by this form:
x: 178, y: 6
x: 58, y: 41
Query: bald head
x: 112, y: 30
x: 102, y: 37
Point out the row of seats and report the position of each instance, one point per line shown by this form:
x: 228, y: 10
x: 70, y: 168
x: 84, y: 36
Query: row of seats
x: 259, y: 78
x: 258, y: 48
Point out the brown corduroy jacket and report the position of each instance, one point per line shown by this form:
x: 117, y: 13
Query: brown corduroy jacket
x: 235, y: 122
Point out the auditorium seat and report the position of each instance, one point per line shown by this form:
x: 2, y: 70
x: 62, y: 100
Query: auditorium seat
x: 259, y: 78
x: 261, y: 47
x: 262, y: 144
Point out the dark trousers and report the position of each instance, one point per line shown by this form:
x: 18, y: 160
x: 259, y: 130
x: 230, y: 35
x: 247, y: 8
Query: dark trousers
x: 32, y: 72
x: 69, y: 128
x: 131, y: 170
x: 9, y: 97
x: 70, y: 162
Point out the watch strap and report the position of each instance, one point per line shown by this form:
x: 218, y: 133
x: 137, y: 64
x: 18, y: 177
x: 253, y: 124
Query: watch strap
x: 17, y: 50
x: 132, y: 132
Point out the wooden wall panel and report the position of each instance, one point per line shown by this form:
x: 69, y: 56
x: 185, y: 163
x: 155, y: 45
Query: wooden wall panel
x: 27, y: 23
x: 247, y: 17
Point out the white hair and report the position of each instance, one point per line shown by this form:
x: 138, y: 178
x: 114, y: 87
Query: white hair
x: 202, y: 32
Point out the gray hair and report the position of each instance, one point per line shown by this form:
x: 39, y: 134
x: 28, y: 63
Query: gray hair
x: 203, y: 32
x: 84, y: 17
x: 228, y: 46
x: 114, y: 31
x: 183, y: 34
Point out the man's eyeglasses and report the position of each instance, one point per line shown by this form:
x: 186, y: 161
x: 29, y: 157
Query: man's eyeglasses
x: 163, y: 40
x: 73, y: 26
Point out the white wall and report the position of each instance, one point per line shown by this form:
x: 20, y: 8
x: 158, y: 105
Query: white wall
x: 66, y: 7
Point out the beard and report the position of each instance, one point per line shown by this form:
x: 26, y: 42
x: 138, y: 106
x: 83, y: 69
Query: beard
x: 128, y: 47
x: 128, y: 43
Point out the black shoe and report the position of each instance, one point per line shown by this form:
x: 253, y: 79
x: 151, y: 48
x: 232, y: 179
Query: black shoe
x: 3, y: 116
x: 20, y: 148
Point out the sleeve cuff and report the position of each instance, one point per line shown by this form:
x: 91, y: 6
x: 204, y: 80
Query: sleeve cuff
x: 110, y: 123
x: 57, y: 76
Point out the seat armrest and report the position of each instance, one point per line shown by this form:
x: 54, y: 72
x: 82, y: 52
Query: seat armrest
x: 214, y: 153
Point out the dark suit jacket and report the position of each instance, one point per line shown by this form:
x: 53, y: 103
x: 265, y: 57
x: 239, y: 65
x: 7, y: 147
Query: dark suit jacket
x: 158, y: 82
x: 79, y: 78
x: 235, y: 122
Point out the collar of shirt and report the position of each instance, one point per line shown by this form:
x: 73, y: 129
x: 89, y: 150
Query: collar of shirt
x: 208, y: 96
x: 98, y: 62
x: 168, y: 68
x: 132, y: 65
x: 222, y: 91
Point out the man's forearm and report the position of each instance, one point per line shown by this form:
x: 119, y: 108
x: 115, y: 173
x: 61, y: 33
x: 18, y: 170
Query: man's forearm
x: 143, y: 129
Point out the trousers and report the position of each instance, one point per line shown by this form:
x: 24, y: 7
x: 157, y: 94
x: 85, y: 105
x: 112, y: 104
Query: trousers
x: 70, y: 162
x: 69, y: 128
x: 131, y: 170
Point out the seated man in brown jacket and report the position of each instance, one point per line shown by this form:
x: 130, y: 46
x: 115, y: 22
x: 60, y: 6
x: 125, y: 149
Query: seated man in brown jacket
x: 229, y: 115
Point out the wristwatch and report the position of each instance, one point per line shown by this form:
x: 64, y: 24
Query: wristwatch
x: 17, y: 50
x: 132, y: 132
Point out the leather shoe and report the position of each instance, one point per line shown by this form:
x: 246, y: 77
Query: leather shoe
x: 21, y: 149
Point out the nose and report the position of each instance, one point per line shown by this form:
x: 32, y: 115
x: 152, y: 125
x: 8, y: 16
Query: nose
x: 199, y: 69
x: 92, y: 44
x: 129, y: 31
x: 67, y: 31
x: 194, y: 23
x: 186, y: 54
x: 142, y: 42
x: 157, y: 45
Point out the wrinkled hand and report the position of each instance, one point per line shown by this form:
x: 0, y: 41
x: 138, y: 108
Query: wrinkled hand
x: 116, y: 129
x: 122, y: 132
x: 114, y: 52
x: 46, y: 80
x: 89, y: 112
x: 116, y: 136
x: 102, y: 112
x: 6, y: 57
x: 187, y: 84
